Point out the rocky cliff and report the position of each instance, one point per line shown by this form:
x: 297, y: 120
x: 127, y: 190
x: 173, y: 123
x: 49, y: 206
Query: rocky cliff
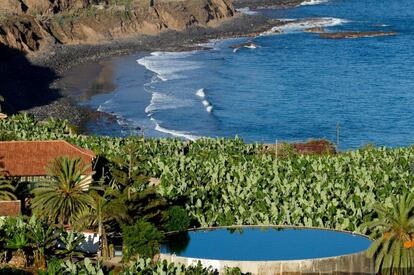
x: 30, y: 25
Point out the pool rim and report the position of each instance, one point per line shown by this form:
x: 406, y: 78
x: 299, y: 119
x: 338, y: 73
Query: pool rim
x: 268, y: 226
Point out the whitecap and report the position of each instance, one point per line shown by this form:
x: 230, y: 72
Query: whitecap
x: 201, y: 93
x: 247, y: 11
x: 300, y: 25
x: 161, y: 101
x: 169, y: 65
x: 209, y: 109
x: 213, y: 44
x: 175, y: 133
x: 313, y: 2
x: 206, y: 103
x: 102, y: 108
x: 250, y: 46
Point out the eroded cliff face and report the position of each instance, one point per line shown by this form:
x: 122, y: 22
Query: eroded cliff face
x: 29, y: 25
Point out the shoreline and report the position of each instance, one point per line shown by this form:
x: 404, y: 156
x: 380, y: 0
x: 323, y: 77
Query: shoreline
x: 61, y: 58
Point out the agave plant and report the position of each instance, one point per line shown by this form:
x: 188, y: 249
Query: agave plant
x: 16, y: 239
x: 393, y: 248
x: 69, y: 243
x: 43, y: 239
x: 65, y: 194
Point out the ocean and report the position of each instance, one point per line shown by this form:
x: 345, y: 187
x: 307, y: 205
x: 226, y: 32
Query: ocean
x: 293, y: 86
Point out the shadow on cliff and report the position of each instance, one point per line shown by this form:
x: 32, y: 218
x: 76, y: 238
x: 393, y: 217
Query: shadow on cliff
x: 23, y: 84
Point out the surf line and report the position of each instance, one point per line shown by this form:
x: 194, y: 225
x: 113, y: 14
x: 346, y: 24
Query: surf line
x: 201, y: 93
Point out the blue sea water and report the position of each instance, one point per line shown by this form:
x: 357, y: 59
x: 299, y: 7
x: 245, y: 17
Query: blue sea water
x: 264, y: 244
x: 293, y: 87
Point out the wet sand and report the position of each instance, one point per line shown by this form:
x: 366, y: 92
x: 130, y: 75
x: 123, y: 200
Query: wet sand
x: 94, y: 84
x: 86, y: 80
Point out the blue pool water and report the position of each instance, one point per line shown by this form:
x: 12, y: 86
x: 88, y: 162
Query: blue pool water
x: 265, y: 244
x: 295, y: 86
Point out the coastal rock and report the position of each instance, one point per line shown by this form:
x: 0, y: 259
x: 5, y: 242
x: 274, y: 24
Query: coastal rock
x: 36, y: 23
x: 278, y: 4
x: 344, y: 35
x: 23, y: 33
x: 248, y: 45
x: 315, y: 30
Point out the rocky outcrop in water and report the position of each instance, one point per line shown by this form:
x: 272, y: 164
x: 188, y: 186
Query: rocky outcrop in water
x: 29, y: 25
x: 315, y: 30
x: 344, y: 35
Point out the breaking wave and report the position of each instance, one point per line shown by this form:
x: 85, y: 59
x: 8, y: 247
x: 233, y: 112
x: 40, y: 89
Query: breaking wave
x: 313, y: 2
x: 299, y: 25
x: 160, y: 101
x: 247, y: 11
x: 201, y: 93
x: 175, y: 133
x: 169, y: 65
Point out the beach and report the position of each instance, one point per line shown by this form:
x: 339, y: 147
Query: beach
x: 60, y: 58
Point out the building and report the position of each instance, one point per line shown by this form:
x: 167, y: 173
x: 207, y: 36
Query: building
x: 28, y: 160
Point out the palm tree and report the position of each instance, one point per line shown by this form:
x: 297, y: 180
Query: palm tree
x: 105, y: 209
x: 6, y: 190
x: 65, y: 193
x: 393, y: 230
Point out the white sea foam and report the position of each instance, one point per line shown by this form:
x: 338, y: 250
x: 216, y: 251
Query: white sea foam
x: 175, y: 133
x: 246, y: 10
x: 313, y: 2
x: 201, y: 93
x: 169, y: 65
x: 102, y: 107
x: 250, y: 46
x: 160, y: 101
x: 206, y: 103
x: 213, y: 44
x: 303, y: 24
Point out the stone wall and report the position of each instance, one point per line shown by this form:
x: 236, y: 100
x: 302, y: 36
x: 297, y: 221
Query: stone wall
x: 356, y: 263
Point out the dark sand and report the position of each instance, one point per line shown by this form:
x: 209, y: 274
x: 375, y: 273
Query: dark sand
x: 86, y: 80
x: 94, y: 83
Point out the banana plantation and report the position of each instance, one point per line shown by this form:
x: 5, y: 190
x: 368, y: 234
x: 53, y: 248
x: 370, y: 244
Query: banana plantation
x: 228, y: 182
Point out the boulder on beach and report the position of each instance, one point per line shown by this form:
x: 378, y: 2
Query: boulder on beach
x: 344, y: 35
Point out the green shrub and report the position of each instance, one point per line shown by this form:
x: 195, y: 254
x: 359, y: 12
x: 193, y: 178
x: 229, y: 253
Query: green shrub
x: 6, y: 136
x: 141, y: 239
x: 145, y: 266
x: 178, y: 219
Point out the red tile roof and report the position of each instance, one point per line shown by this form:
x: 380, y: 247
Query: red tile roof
x: 30, y: 158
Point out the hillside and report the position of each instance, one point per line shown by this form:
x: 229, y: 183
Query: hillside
x: 30, y: 25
